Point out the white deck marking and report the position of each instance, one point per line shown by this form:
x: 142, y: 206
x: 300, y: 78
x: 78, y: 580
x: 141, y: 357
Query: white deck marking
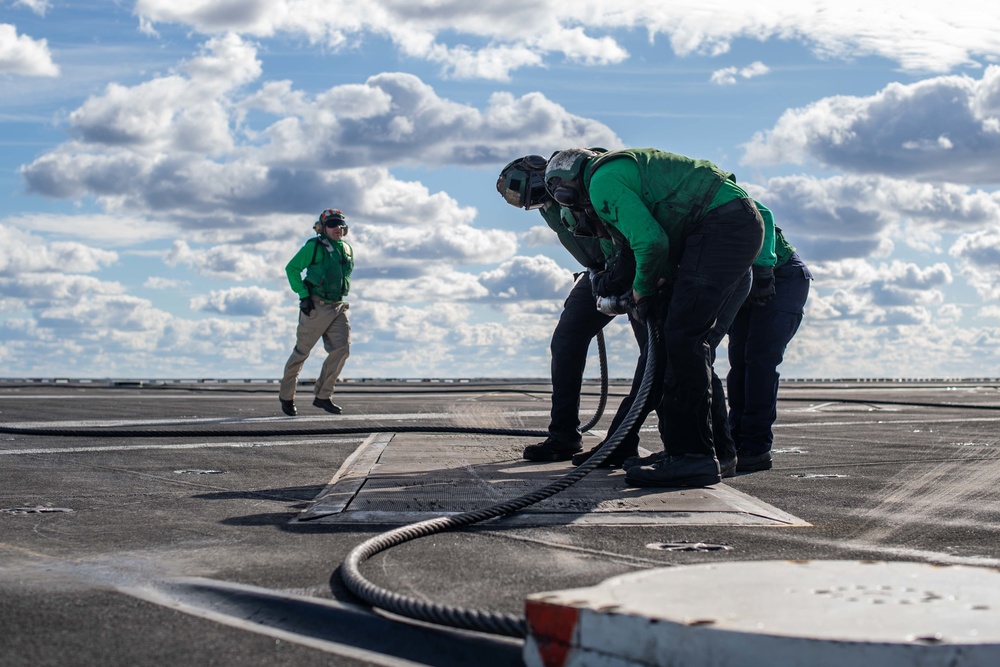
x: 183, y: 445
x: 327, y: 420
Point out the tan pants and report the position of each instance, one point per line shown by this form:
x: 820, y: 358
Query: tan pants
x: 328, y: 321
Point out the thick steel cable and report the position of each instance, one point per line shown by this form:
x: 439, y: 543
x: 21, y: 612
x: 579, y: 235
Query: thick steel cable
x: 204, y: 433
x: 474, y: 619
x: 602, y: 356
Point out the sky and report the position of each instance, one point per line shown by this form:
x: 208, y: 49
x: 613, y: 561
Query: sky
x: 162, y: 160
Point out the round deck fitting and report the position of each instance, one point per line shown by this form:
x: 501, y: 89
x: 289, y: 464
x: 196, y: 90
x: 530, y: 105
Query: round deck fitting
x: 815, y: 613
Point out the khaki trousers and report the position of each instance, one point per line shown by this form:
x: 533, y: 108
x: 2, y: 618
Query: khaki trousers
x: 328, y: 321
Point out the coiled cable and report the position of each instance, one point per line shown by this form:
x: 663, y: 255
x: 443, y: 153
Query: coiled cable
x: 474, y: 619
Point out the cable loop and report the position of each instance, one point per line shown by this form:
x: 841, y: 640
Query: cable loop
x: 475, y: 619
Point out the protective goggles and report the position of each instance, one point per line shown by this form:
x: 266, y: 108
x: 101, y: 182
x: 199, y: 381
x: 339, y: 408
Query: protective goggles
x: 522, y: 182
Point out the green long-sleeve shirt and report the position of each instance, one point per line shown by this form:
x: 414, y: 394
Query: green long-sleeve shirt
x: 649, y: 196
x: 328, y: 265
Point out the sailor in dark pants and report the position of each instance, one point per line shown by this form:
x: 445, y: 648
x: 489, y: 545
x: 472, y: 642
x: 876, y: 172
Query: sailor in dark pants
x: 521, y: 184
x: 758, y: 337
x: 694, y: 233
x: 579, y: 323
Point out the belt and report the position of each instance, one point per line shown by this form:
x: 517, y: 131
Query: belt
x: 730, y: 207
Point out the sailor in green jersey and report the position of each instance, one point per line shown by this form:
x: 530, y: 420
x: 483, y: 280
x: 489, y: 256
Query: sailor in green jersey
x: 695, y: 235
x: 758, y: 336
x: 521, y: 184
x: 327, y: 261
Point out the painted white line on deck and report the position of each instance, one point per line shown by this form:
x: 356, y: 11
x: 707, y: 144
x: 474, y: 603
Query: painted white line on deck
x: 327, y: 420
x: 184, y: 445
x: 890, y: 422
x: 230, y: 395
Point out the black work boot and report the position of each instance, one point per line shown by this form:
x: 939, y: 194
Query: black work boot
x: 288, y: 407
x: 754, y: 462
x: 635, y: 461
x: 614, y: 460
x: 727, y: 467
x: 328, y: 405
x: 551, y: 449
x: 680, y: 470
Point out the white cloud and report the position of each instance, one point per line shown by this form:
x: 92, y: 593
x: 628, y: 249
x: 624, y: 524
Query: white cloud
x: 539, y: 235
x: 851, y: 216
x: 230, y: 262
x: 87, y: 311
x: 172, y: 113
x: 182, y: 144
x: 253, y: 301
x: 102, y: 229
x: 235, y: 165
x: 37, y: 6
x: 20, y: 54
x: 56, y: 289
x: 493, y: 39
x: 940, y: 129
x: 21, y: 252
x: 397, y: 119
x: 979, y: 253
x: 729, y: 75
x: 527, y: 278
x: 437, y: 285
x: 922, y: 348
x: 385, y: 246
x: 159, y: 283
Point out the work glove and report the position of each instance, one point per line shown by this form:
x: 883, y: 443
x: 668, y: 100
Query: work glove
x: 306, y: 305
x: 616, y: 278
x: 640, y: 310
x: 654, y: 306
x: 614, y: 305
x: 762, y: 288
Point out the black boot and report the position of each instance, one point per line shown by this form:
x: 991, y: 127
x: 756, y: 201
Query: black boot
x: 551, y: 449
x: 754, y: 462
x: 328, y: 405
x: 614, y: 460
x: 679, y: 470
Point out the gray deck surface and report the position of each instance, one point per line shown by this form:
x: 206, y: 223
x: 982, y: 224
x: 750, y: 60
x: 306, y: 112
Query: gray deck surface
x: 224, y: 549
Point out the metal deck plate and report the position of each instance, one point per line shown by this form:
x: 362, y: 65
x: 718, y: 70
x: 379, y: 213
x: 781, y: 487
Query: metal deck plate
x: 758, y: 614
x: 403, y: 478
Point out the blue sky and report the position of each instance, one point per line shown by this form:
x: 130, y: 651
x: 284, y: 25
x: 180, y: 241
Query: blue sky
x: 161, y: 160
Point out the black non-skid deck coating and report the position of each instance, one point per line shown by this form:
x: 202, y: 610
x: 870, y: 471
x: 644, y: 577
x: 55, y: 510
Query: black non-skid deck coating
x: 876, y: 471
x: 409, y: 477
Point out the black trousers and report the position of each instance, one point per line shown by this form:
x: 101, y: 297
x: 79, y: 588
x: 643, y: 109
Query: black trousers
x: 718, y: 251
x: 579, y: 323
x: 757, y: 341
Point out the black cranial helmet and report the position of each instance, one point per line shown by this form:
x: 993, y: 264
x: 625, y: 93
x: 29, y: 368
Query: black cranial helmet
x: 522, y: 183
x: 563, y: 175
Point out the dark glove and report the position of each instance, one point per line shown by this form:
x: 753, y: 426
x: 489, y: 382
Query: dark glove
x: 306, y: 305
x: 654, y: 306
x: 617, y: 277
x: 599, y: 283
x: 639, y: 310
x: 762, y: 288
